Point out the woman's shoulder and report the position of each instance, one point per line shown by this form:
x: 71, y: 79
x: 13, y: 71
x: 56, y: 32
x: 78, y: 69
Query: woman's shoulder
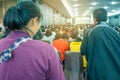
x: 37, y: 46
x: 38, y: 43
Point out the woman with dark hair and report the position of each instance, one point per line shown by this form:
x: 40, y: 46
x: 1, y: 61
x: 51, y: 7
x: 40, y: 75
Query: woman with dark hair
x: 21, y: 57
x: 102, y: 49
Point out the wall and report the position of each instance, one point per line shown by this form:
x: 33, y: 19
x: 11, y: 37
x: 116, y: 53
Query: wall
x: 4, y: 5
x: 50, y: 16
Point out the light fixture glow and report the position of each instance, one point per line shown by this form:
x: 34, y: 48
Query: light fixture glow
x: 91, y: 8
x: 67, y: 7
x: 94, y: 3
x: 87, y: 10
x: 113, y: 10
x: 85, y: 14
x: 113, y: 3
x: 75, y: 9
x: 75, y: 0
x: 105, y: 7
x: 75, y: 14
x: 76, y: 5
x: 115, y: 13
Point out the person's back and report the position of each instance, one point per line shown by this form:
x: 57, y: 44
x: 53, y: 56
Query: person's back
x: 21, y: 57
x: 102, y: 50
x: 30, y: 61
x: 103, y: 54
x: 61, y: 45
x: 75, y: 46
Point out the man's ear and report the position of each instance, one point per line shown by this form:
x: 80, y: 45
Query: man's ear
x: 34, y: 21
x: 95, y: 21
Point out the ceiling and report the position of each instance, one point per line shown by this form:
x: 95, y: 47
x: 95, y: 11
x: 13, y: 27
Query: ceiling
x: 80, y: 8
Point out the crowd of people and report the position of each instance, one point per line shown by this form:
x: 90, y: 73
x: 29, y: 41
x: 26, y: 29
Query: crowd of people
x: 29, y: 51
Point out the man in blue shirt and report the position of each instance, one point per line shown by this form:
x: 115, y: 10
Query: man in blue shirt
x: 101, y: 47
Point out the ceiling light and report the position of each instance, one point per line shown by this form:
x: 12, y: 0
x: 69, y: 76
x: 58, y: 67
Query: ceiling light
x: 87, y: 10
x: 75, y: 14
x: 67, y: 7
x: 105, y: 7
x: 113, y: 3
x: 86, y: 13
x: 75, y: 9
x: 91, y: 8
x: 76, y: 5
x: 94, y: 3
x: 115, y: 13
x: 113, y: 10
x: 75, y: 0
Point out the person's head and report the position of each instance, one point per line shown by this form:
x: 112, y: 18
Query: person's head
x: 65, y: 36
x: 99, y: 15
x: 24, y: 16
x: 48, y: 33
x: 74, y: 33
x: 58, y: 35
x: 0, y: 29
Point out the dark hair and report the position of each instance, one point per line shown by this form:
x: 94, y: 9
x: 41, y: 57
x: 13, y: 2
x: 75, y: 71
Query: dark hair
x: 18, y: 16
x: 0, y: 29
x: 48, y: 33
x: 65, y: 36
x: 38, y: 35
x: 35, y: 1
x: 74, y: 33
x: 58, y: 35
x: 100, y: 14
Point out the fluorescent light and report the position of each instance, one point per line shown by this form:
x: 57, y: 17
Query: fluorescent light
x: 113, y: 3
x: 75, y: 0
x: 87, y: 10
x: 94, y: 3
x: 105, y: 7
x: 75, y: 14
x: 85, y: 14
x: 115, y: 13
x: 75, y: 9
x: 113, y: 10
x: 65, y: 3
x: 91, y: 8
x: 76, y: 5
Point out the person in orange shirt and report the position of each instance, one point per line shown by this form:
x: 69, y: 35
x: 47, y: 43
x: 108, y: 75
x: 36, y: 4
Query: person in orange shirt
x: 61, y: 44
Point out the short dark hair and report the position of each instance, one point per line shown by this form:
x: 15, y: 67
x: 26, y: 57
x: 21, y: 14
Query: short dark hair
x: 0, y: 29
x: 18, y: 16
x: 100, y: 14
x: 74, y: 33
x: 65, y: 36
x: 48, y: 33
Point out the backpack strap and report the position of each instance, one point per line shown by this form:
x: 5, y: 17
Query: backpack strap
x: 6, y: 54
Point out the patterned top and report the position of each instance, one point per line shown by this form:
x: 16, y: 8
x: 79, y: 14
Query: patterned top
x: 6, y: 54
x: 33, y: 60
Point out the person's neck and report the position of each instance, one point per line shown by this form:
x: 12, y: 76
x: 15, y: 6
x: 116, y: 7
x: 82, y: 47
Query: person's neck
x: 30, y: 32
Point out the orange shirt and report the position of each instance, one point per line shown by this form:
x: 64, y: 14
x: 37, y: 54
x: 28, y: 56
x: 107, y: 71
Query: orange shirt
x: 62, y: 46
